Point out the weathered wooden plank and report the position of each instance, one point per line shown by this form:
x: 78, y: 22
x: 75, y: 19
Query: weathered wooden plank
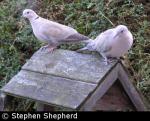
x: 69, y: 64
x: 49, y: 89
x: 100, y: 90
x: 130, y: 89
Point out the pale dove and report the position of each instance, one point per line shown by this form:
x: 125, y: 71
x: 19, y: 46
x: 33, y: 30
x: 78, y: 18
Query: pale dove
x: 51, y: 32
x: 113, y: 42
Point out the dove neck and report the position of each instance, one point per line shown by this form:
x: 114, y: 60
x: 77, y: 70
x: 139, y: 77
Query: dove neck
x: 34, y: 18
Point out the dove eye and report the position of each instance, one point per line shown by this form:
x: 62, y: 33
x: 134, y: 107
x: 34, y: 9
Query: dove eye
x: 122, y: 31
x: 27, y: 12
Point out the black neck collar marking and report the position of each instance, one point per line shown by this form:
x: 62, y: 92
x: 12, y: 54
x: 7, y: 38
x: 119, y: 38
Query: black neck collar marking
x: 37, y: 17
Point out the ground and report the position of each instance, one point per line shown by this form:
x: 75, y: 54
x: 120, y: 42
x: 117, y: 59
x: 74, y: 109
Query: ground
x: 89, y: 17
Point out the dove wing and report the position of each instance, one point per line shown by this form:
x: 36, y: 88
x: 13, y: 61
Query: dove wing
x: 77, y: 37
x: 52, y: 31
x: 103, y: 43
x: 57, y: 32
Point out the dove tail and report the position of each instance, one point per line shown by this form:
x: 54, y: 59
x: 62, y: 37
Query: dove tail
x: 82, y: 49
x: 87, y: 41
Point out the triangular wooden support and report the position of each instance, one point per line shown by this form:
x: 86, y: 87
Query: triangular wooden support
x: 115, y: 99
x: 118, y: 73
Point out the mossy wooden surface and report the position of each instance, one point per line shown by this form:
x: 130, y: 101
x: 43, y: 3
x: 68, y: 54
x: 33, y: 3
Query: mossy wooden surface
x: 62, y: 78
x: 69, y: 64
x: 49, y: 89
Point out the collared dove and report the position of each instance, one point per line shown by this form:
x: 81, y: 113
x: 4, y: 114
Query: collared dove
x: 51, y: 32
x: 113, y: 42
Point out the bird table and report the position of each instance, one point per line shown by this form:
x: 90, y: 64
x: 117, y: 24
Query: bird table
x: 73, y: 81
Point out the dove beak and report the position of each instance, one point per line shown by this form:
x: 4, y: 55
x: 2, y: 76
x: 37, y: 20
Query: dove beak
x: 120, y: 32
x: 22, y: 16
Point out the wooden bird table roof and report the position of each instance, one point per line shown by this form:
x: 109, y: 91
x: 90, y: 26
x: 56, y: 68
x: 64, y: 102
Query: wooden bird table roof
x: 62, y: 78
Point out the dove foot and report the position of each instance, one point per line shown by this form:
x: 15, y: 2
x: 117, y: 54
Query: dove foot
x: 105, y: 58
x: 108, y: 61
x: 44, y: 47
x: 105, y: 61
x: 49, y: 47
x: 112, y: 59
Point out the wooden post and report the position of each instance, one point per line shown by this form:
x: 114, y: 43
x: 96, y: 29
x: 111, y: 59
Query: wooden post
x: 2, y: 101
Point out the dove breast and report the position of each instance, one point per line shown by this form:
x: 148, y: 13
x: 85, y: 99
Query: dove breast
x: 113, y: 46
x: 120, y: 45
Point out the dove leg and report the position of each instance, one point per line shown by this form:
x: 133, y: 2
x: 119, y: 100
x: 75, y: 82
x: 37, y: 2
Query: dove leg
x: 52, y: 48
x: 105, y: 58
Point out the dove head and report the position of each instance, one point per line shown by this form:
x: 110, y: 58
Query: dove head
x: 30, y: 14
x: 121, y: 30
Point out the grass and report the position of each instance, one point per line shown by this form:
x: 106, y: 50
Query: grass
x: 89, y: 17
